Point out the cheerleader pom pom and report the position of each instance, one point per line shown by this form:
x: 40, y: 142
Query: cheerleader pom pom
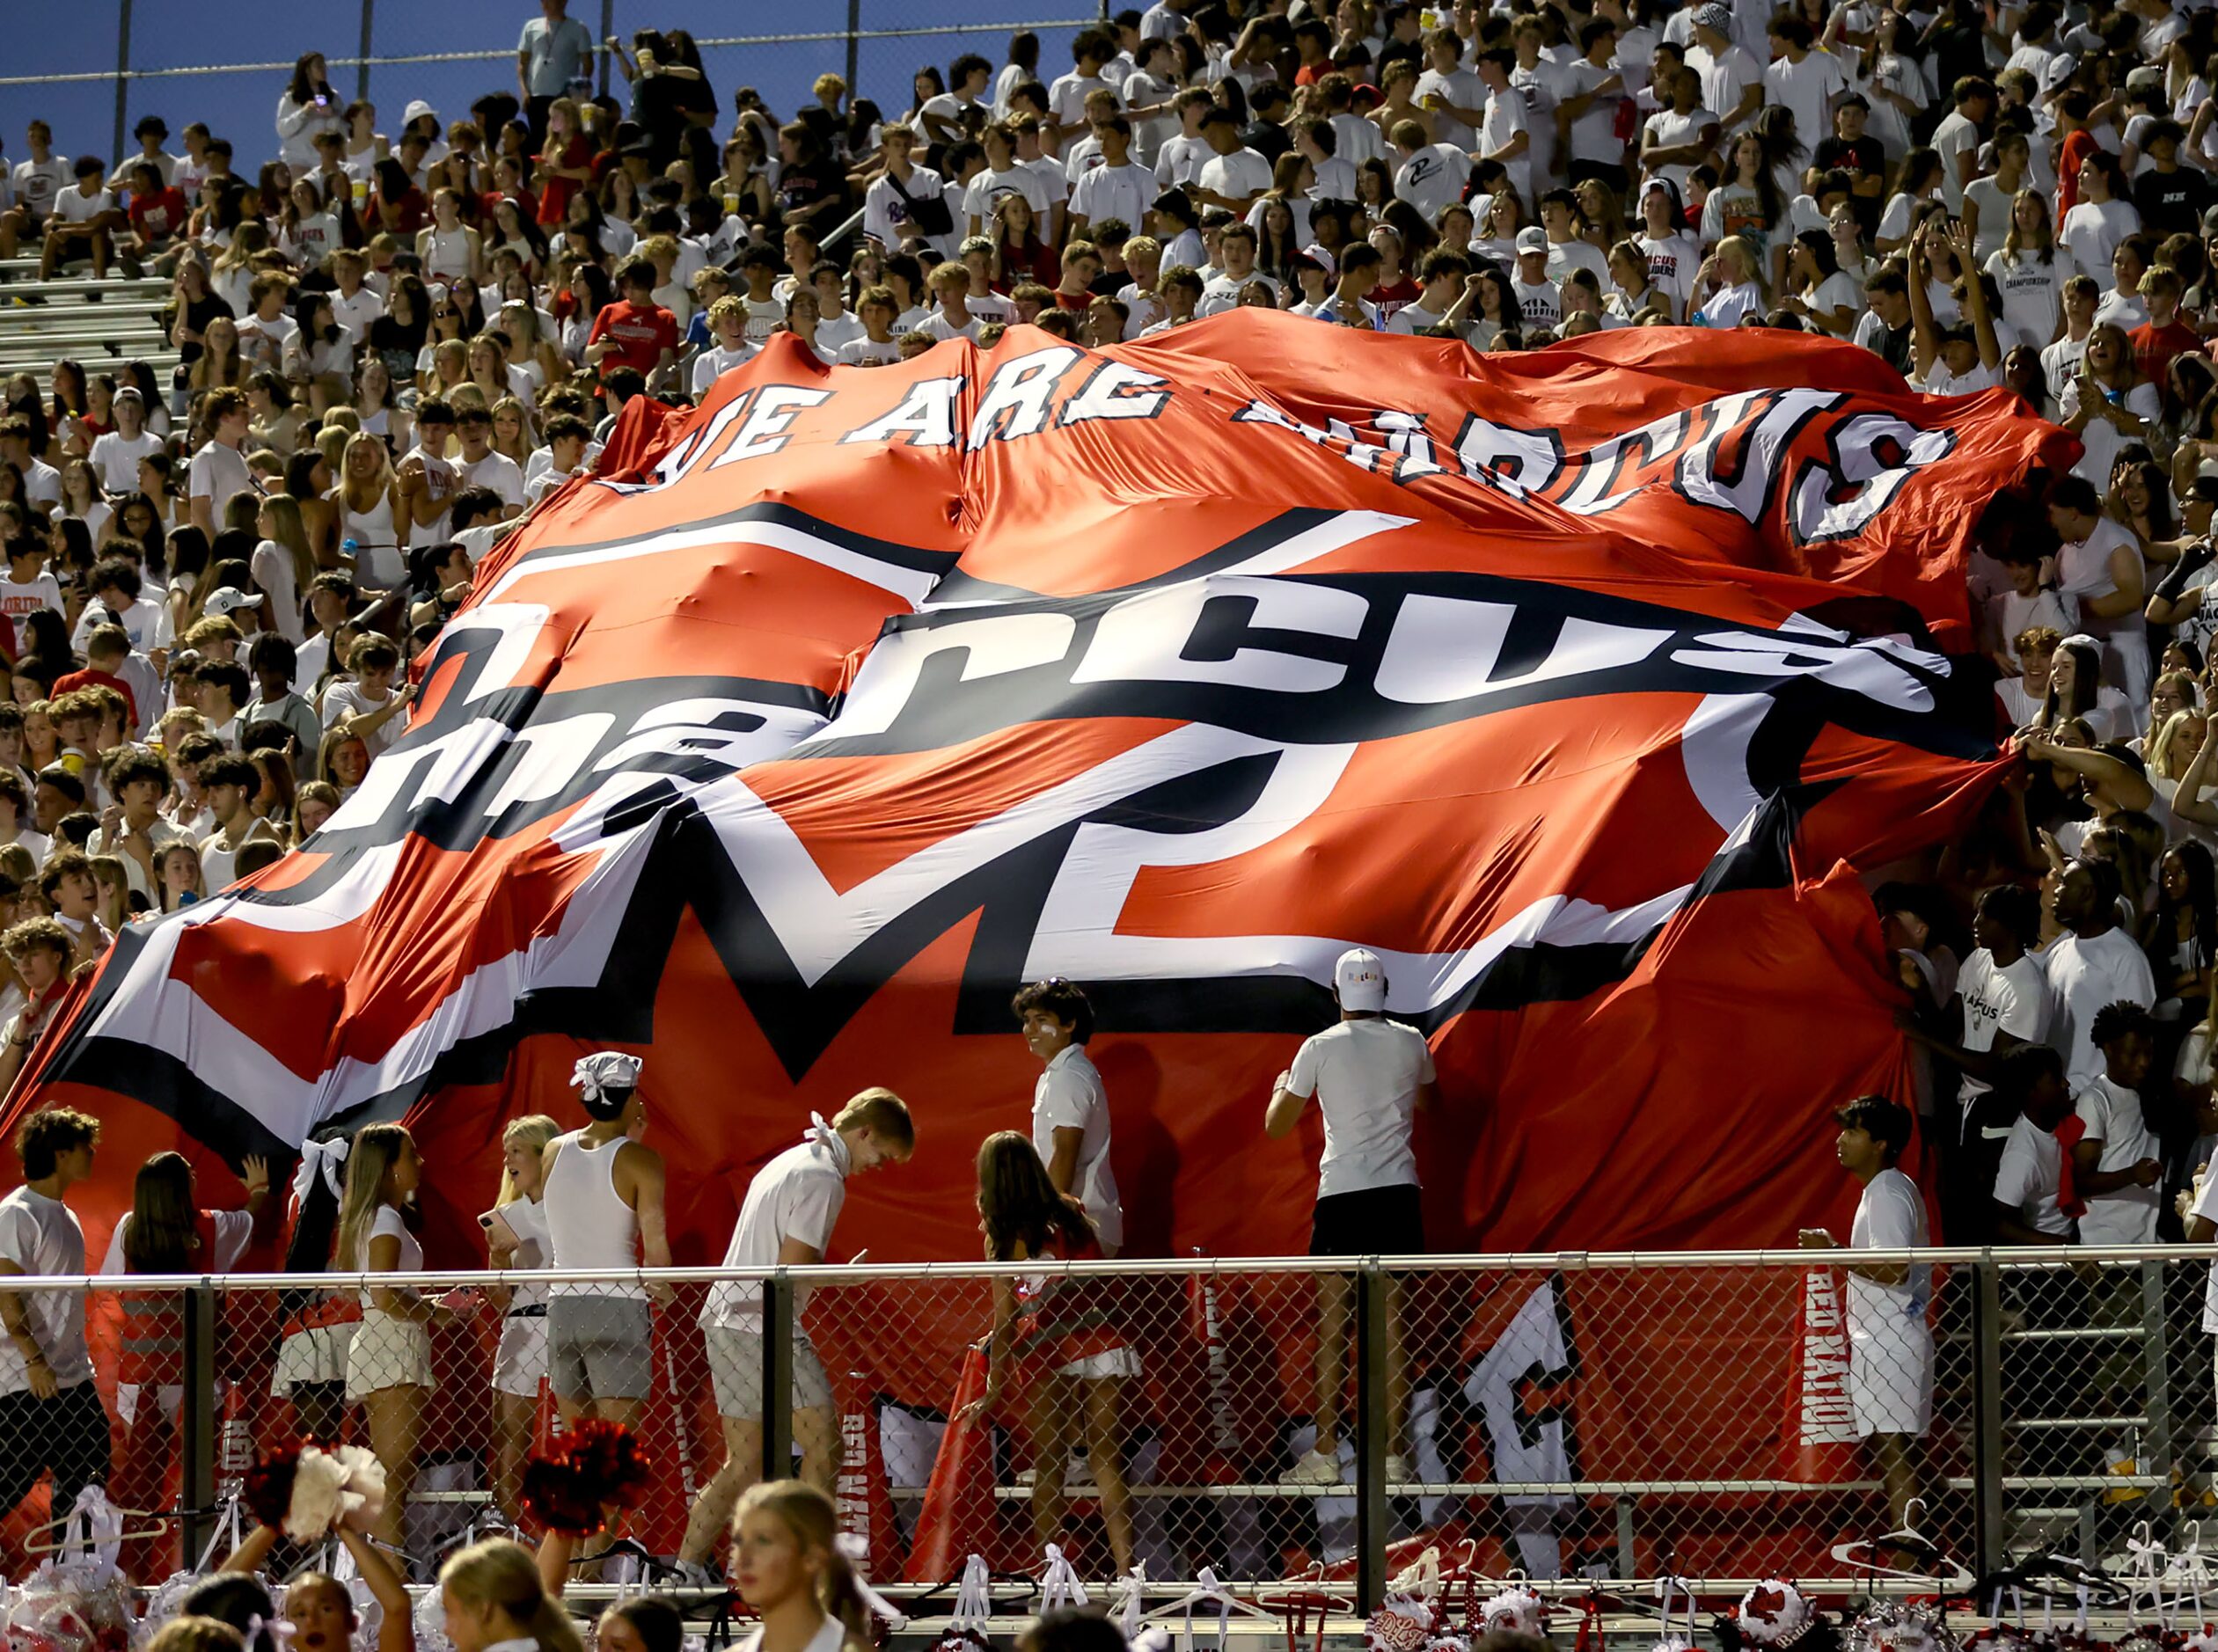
x: 362, y: 1495
x: 268, y: 1488
x: 595, y: 1466
x: 320, y: 1483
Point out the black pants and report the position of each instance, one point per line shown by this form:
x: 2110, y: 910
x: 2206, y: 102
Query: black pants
x: 68, y: 1435
x: 535, y: 116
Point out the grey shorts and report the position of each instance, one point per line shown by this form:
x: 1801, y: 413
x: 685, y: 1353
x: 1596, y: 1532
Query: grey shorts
x: 736, y: 1368
x: 600, y: 1347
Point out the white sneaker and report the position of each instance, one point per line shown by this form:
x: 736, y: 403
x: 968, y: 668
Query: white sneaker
x: 1398, y: 1469
x: 693, y: 1574
x: 623, y: 1570
x: 1313, y: 1468
x: 1026, y: 1476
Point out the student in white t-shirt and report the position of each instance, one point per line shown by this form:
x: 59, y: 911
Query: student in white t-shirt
x: 1890, y: 1343
x: 2201, y: 1215
x: 2116, y: 1163
x: 1369, y: 1077
x: 28, y: 587
x: 116, y: 453
x: 1070, y: 1106
x: 2028, y: 1182
x: 785, y: 1221
x: 727, y: 326
x: 51, y: 1417
x: 2096, y: 965
x: 2001, y: 1005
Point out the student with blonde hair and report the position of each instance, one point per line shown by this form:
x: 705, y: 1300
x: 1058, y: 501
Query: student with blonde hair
x: 492, y: 1596
x: 787, y: 1562
x: 389, y: 1361
x: 517, y: 1237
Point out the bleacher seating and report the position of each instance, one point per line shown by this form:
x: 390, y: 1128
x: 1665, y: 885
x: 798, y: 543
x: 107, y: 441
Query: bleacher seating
x: 100, y: 323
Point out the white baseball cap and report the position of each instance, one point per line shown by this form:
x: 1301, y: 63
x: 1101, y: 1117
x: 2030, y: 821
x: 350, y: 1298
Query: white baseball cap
x: 1360, y: 980
x: 226, y: 599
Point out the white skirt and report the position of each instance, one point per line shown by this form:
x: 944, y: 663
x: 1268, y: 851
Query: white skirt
x: 318, y: 1355
x: 387, y: 1353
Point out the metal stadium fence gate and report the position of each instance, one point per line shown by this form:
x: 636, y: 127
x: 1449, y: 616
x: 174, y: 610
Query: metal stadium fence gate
x: 1572, y: 1417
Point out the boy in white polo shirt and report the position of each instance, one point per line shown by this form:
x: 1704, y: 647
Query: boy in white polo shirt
x: 785, y: 1222
x: 1369, y: 1076
x: 1070, y: 1108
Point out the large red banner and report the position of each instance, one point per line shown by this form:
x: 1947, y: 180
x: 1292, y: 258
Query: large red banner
x: 1578, y: 684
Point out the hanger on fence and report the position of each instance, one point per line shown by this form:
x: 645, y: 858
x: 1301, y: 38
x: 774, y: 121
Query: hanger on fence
x: 2188, y: 1570
x: 1933, y: 1564
x: 2145, y: 1575
x: 488, y: 1522
x: 108, y: 1525
x: 1208, y: 1591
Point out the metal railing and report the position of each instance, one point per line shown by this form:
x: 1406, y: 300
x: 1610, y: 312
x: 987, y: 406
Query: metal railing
x: 1573, y: 1416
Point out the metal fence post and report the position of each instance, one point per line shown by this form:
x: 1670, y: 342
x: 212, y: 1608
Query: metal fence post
x: 1372, y: 1444
x: 854, y: 44
x: 777, y: 1376
x: 608, y: 27
x: 2155, y: 1456
x: 122, y: 76
x: 199, y: 1420
x: 361, y: 54
x: 1986, y: 1423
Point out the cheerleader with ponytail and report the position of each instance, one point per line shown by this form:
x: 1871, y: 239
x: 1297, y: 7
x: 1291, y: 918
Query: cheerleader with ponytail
x: 493, y: 1598
x: 788, y: 1565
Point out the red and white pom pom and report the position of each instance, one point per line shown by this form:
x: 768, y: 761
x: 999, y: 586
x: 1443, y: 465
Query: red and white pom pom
x: 1773, y: 1613
x: 268, y: 1490
x: 1517, y: 1610
x: 1400, y: 1625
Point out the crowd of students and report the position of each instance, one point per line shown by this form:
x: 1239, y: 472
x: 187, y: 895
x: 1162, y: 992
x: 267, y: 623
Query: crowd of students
x: 393, y: 343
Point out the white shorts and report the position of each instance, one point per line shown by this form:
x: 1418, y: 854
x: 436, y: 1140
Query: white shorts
x: 318, y: 1355
x: 1119, y: 1362
x: 520, y: 1365
x: 1891, y: 1382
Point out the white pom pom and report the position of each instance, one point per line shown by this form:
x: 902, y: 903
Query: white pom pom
x: 363, y: 1496
x: 319, y: 1482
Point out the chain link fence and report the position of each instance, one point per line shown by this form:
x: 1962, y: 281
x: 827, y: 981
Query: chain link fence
x: 114, y: 61
x: 1580, y: 1421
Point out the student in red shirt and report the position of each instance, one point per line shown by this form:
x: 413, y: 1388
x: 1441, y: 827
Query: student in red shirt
x: 634, y: 331
x: 158, y: 211
x: 2164, y: 336
x: 2072, y: 113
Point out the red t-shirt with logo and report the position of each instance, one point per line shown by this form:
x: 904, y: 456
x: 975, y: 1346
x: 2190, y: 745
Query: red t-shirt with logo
x: 158, y: 217
x: 641, y: 332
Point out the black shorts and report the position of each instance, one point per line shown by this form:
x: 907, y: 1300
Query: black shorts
x: 1371, y: 1222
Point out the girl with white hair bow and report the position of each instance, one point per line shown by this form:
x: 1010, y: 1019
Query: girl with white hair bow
x: 319, y: 1326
